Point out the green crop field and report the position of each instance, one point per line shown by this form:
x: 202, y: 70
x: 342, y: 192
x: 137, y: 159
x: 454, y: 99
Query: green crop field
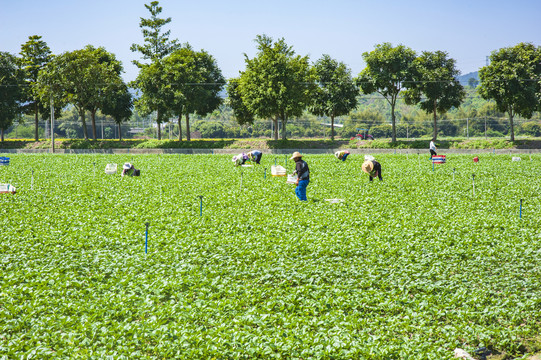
x: 408, y: 268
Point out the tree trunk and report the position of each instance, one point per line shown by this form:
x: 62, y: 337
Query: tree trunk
x: 93, y: 117
x: 159, y: 126
x: 393, y: 122
x: 332, y: 127
x: 435, y: 121
x: 284, y: 132
x: 180, y: 127
x: 512, y: 129
x: 85, y: 131
x: 275, y: 121
x: 36, y: 133
x: 119, y: 132
x: 188, y: 137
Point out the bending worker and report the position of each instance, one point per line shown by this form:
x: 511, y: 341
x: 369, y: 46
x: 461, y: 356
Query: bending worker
x: 372, y: 168
x: 341, y: 155
x: 240, y: 159
x: 303, y: 175
x: 255, y: 156
x: 129, y: 170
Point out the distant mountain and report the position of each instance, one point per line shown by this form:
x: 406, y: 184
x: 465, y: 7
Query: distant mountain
x: 463, y: 79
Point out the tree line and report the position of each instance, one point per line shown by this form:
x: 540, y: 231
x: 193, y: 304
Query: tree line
x: 176, y: 81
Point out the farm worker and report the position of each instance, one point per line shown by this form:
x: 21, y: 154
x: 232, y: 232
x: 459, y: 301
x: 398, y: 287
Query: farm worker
x: 303, y: 175
x: 255, y: 156
x: 372, y: 168
x: 129, y: 170
x: 341, y: 155
x: 240, y: 159
x: 432, y: 149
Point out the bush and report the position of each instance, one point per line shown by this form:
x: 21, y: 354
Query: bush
x: 381, y: 131
x: 531, y: 128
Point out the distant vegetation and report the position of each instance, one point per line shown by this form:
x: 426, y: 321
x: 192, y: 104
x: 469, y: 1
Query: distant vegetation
x: 399, y: 94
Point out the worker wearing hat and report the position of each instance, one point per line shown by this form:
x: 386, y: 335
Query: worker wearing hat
x: 303, y: 175
x: 129, y: 170
x: 341, y: 155
x: 255, y: 156
x: 240, y: 159
x: 372, y: 168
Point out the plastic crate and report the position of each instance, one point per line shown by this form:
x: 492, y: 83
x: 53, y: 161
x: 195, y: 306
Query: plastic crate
x: 278, y: 170
x: 4, y: 160
x: 438, y: 159
x: 7, y: 189
x: 110, y: 169
x: 292, y: 179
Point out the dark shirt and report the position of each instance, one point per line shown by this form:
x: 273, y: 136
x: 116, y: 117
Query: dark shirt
x: 301, y: 169
x: 376, y: 170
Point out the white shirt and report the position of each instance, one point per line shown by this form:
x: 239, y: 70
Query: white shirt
x: 432, y: 146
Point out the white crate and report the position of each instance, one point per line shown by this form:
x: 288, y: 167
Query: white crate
x: 110, y: 169
x: 278, y: 170
x: 292, y: 179
x: 7, y: 188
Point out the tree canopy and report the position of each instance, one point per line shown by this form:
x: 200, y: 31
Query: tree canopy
x: 276, y: 83
x: 240, y: 111
x: 193, y: 82
x: 336, y: 93
x: 35, y: 54
x: 156, y: 43
x: 387, y: 69
x: 435, y: 86
x: 11, y: 81
x: 81, y: 78
x: 512, y: 80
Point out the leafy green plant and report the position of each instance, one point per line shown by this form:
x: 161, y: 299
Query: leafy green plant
x: 410, y: 267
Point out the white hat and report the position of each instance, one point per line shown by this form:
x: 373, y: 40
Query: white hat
x: 126, y: 166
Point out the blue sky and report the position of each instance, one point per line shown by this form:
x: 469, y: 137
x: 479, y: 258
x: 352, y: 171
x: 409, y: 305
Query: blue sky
x: 468, y: 30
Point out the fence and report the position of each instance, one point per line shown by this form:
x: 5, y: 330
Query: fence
x: 486, y: 127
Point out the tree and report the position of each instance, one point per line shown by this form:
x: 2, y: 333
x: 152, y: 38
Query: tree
x: 118, y: 104
x: 194, y: 82
x: 336, y: 94
x: 435, y: 86
x: 512, y: 80
x: 155, y: 93
x: 387, y: 69
x: 276, y: 84
x: 156, y: 44
x: 80, y: 78
x: 11, y: 81
x: 106, y: 71
x: 35, y: 54
x: 473, y: 82
x: 240, y: 111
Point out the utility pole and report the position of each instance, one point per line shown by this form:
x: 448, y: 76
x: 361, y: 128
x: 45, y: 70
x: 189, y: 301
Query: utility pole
x: 52, y: 124
x: 485, y: 127
x: 468, y: 128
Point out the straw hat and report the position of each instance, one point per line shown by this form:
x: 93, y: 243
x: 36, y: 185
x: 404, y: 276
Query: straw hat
x: 368, y: 166
x: 126, y: 166
x: 296, y: 154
